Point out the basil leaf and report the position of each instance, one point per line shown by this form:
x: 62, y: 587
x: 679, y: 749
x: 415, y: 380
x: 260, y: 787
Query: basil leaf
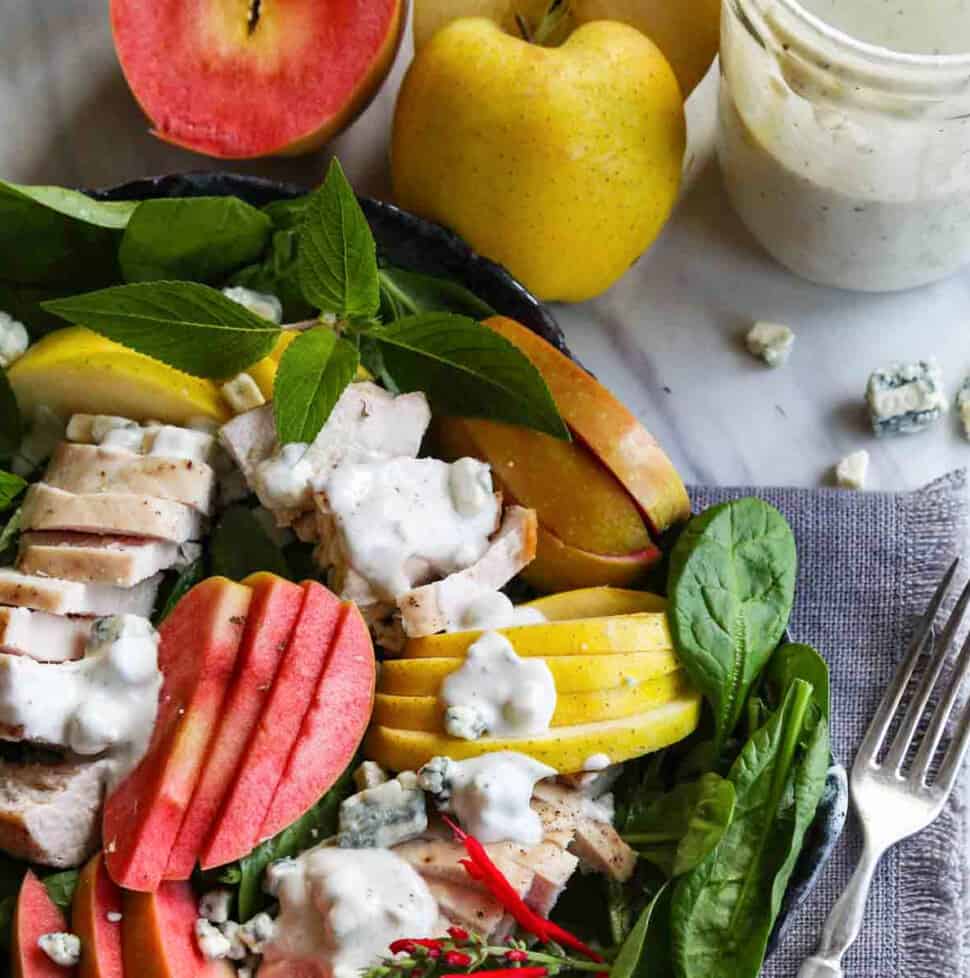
x: 187, y: 578
x: 793, y: 662
x: 724, y: 910
x: 186, y: 325
x: 467, y: 370
x: 313, y: 372
x: 319, y: 823
x: 11, y: 423
x: 201, y: 239
x: 681, y: 828
x: 338, y: 256
x: 11, y: 486
x: 51, y: 236
x: 405, y: 293
x: 646, y: 951
x: 730, y: 592
x: 278, y: 274
x: 239, y: 546
x: 61, y: 887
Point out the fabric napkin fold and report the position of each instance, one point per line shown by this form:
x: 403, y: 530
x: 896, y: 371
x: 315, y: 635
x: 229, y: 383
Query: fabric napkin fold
x: 869, y: 563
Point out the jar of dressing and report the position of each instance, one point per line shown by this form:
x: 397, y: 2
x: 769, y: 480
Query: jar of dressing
x: 845, y: 135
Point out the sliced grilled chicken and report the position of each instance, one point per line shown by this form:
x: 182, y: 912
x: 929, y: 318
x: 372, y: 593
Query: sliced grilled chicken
x: 470, y: 908
x: 90, y: 468
x: 50, y: 813
x: 551, y: 867
x: 435, y: 607
x: 164, y: 441
x: 437, y: 859
x: 121, y: 561
x: 250, y: 438
x: 59, y: 597
x: 111, y: 514
x: 46, y: 638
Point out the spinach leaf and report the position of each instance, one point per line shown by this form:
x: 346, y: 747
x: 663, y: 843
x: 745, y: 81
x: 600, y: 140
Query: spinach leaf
x: 189, y: 326
x: 313, y: 372
x: 730, y: 592
x: 467, y: 370
x: 178, y: 587
x: 317, y: 824
x: 61, y: 887
x: 239, y: 546
x: 723, y: 911
x: 406, y: 293
x: 338, y: 256
x: 8, y: 535
x: 646, y: 951
x: 23, y: 302
x: 287, y: 215
x: 793, y: 661
x: 201, y: 239
x: 680, y: 829
x: 278, y: 274
x: 11, y: 423
x: 50, y: 236
x: 11, y: 486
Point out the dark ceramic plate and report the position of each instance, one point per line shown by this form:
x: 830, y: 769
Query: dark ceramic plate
x: 414, y: 243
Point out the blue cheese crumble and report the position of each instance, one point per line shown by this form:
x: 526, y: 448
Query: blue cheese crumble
x: 62, y: 948
x: 906, y: 398
x: 13, y: 340
x: 771, y: 342
x: 382, y: 816
x: 851, y: 472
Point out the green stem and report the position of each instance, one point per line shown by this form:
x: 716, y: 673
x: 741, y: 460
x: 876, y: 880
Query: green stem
x: 549, y: 24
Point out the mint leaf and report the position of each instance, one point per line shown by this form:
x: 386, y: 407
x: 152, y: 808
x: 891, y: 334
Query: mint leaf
x: 467, y: 370
x: 11, y: 486
x: 312, y: 375
x: 338, y: 256
x: 201, y: 239
x: 405, y: 293
x: 186, y: 325
x: 55, y: 237
x: 11, y: 424
x: 279, y: 274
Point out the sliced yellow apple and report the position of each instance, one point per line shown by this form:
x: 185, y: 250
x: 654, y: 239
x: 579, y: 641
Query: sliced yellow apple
x: 563, y: 748
x: 597, y: 602
x: 647, y: 632
x: 572, y: 673
x: 264, y: 371
x: 426, y: 712
x: 75, y: 371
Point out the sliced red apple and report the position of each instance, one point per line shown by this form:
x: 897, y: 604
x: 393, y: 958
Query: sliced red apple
x: 273, y: 612
x: 158, y: 936
x: 240, y: 80
x: 35, y: 914
x: 333, y: 726
x: 248, y: 800
x: 197, y: 653
x: 96, y: 915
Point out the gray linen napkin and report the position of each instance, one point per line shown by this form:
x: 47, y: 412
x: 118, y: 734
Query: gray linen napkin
x: 869, y: 563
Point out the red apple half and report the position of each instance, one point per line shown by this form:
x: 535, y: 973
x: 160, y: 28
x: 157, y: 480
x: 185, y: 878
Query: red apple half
x: 35, y: 914
x: 247, y: 78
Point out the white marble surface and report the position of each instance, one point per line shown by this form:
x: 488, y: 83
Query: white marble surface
x: 667, y: 338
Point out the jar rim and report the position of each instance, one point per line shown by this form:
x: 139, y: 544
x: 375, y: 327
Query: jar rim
x: 886, y: 56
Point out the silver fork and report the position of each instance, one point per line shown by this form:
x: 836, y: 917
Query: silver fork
x: 894, y: 801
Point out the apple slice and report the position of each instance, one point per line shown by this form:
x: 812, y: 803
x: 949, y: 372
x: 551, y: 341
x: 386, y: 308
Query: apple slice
x: 333, y: 726
x: 35, y: 914
x: 197, y: 652
x: 564, y: 748
x: 248, y: 800
x: 594, y: 602
x: 96, y: 916
x: 158, y: 936
x: 307, y: 68
x: 273, y: 612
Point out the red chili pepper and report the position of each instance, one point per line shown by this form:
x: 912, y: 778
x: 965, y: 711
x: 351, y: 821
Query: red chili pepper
x: 458, y: 933
x: 480, y: 867
x: 537, y: 972
x: 457, y: 959
x: 410, y: 944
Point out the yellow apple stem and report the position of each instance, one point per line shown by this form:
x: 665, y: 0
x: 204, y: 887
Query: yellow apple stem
x: 549, y: 30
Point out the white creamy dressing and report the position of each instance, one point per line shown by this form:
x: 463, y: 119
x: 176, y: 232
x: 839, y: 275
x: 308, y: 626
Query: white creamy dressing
x: 160, y: 440
x: 399, y: 520
x: 492, y: 795
x: 341, y: 908
x: 597, y: 762
x: 105, y: 703
x: 286, y: 478
x: 498, y: 693
x: 476, y: 609
x: 264, y: 304
x: 843, y: 174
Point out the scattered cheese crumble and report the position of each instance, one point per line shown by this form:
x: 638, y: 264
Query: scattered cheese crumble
x: 14, y: 340
x: 771, y: 342
x: 62, y: 948
x: 851, y: 472
x: 242, y: 393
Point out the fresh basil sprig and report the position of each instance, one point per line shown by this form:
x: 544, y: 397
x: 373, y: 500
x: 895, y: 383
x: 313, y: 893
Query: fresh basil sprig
x: 338, y: 255
x: 186, y: 325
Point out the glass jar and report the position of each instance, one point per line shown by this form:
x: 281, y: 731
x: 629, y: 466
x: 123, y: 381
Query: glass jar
x: 848, y: 161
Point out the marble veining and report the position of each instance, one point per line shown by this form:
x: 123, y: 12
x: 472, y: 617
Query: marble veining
x: 669, y: 338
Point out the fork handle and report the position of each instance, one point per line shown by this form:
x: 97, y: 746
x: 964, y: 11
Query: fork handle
x: 844, y: 922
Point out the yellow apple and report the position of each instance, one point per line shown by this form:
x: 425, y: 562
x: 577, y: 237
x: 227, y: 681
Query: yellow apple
x: 563, y: 164
x: 687, y: 31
